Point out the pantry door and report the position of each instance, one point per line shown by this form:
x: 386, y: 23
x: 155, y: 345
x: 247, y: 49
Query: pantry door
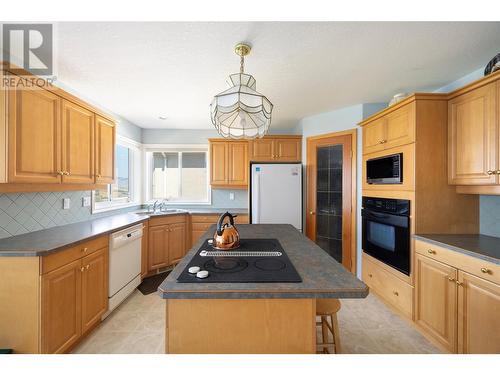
x: 331, y: 195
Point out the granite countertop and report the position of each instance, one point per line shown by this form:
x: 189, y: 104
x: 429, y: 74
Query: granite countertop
x: 47, y: 241
x: 322, y: 276
x: 475, y: 245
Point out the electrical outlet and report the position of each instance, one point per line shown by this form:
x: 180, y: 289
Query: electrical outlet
x: 231, y: 196
x: 66, y: 203
x: 85, y: 201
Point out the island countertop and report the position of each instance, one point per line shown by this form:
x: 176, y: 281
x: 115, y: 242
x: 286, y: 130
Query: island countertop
x: 322, y: 276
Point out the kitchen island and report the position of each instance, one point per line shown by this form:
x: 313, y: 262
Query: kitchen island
x: 255, y: 317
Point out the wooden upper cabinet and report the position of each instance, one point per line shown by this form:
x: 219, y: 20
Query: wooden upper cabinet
x: 105, y: 150
x: 229, y: 164
x: 218, y: 163
x: 276, y: 148
x: 61, y: 299
x: 394, y: 129
x: 472, y: 140
x: 94, y: 288
x: 176, y: 242
x: 436, y: 300
x: 478, y: 315
x: 262, y: 149
x: 373, y: 136
x: 78, y: 142
x: 288, y: 149
x: 34, y: 136
x: 238, y: 163
x: 400, y: 126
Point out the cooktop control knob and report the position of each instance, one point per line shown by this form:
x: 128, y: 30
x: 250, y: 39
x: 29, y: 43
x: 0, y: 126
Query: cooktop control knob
x: 194, y: 269
x: 202, y: 274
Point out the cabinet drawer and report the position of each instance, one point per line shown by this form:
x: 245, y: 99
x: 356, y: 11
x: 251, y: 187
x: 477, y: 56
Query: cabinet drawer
x: 478, y: 267
x: 168, y: 219
x: 393, y: 290
x: 212, y: 219
x: 201, y: 226
x: 53, y: 261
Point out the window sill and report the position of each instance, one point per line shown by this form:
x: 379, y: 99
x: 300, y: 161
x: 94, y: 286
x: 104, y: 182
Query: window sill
x: 113, y: 207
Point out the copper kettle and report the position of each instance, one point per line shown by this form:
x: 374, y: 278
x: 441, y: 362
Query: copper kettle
x: 226, y: 236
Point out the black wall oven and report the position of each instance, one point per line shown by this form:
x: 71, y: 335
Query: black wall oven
x: 385, y: 170
x: 386, y: 231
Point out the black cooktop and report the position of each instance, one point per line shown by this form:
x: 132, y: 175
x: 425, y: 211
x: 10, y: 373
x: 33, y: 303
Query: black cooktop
x: 255, y: 261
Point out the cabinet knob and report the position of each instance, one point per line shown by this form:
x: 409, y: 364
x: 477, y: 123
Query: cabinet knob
x: 67, y: 173
x: 311, y: 212
x: 451, y: 278
x: 82, y: 269
x: 395, y: 293
x: 88, y: 266
x: 370, y: 275
x: 490, y: 173
x: 459, y: 283
x: 85, y: 249
x: 497, y: 172
x: 486, y: 270
x: 430, y: 251
x: 99, y: 176
x: 60, y: 173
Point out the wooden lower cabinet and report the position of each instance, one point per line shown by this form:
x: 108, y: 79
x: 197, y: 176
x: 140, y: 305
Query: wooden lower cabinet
x: 94, y: 288
x: 74, y: 297
x: 436, y: 300
x: 61, y: 308
x: 478, y: 315
x: 176, y: 242
x: 167, y: 241
x: 158, y: 247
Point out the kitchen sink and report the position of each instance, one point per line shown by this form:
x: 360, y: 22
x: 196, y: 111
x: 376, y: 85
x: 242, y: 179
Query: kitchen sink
x: 167, y: 211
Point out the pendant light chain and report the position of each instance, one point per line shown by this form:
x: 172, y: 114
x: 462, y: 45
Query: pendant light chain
x: 242, y: 63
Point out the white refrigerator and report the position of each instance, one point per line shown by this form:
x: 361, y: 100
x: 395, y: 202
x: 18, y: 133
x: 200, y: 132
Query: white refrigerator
x: 276, y: 193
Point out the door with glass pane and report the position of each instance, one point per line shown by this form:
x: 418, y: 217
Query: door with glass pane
x: 330, y: 193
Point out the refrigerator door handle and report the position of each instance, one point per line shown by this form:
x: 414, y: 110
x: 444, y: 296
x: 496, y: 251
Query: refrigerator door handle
x: 257, y: 197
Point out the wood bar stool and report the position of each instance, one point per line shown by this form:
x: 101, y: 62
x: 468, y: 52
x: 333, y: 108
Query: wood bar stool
x: 328, y: 308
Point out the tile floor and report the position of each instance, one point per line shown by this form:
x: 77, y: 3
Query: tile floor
x: 366, y: 326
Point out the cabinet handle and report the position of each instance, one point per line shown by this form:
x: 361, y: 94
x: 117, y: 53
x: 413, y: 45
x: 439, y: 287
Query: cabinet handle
x: 395, y: 293
x: 82, y: 269
x: 370, y: 275
x: 430, y: 251
x: 486, y: 270
x: 490, y: 173
x: 60, y: 173
x: 85, y: 249
x: 497, y: 172
x: 451, y: 278
x: 459, y: 283
x: 67, y: 173
x: 380, y: 142
x: 88, y: 266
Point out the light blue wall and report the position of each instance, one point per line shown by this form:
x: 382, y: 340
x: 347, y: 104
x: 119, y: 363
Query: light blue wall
x: 489, y: 205
x: 129, y: 130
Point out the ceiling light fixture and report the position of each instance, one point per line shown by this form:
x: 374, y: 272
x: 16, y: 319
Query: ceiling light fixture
x: 240, y: 112
x: 162, y: 117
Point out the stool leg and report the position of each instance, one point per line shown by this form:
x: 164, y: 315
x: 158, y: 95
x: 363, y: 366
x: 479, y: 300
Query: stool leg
x: 324, y: 330
x: 336, y: 333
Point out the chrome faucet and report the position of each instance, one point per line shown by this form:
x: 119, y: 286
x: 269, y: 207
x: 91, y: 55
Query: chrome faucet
x: 155, y: 204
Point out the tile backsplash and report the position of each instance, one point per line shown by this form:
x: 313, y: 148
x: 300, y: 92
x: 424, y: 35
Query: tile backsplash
x: 28, y: 212
x: 489, y: 218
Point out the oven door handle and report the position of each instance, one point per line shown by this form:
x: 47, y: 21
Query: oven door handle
x: 380, y: 216
x: 394, y: 220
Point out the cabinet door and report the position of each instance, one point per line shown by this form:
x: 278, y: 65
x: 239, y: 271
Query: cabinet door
x: 78, y: 144
x: 61, y: 308
x: 218, y: 163
x: 105, y: 150
x: 238, y: 163
x: 373, y: 136
x: 144, y: 249
x: 34, y: 136
x: 478, y: 315
x: 262, y: 149
x: 158, y: 246
x: 436, y: 300
x: 288, y: 149
x: 400, y: 126
x: 94, y: 288
x: 472, y: 126
x: 176, y: 242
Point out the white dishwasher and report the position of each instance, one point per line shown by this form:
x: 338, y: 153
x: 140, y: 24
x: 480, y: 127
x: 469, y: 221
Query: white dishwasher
x: 124, y: 264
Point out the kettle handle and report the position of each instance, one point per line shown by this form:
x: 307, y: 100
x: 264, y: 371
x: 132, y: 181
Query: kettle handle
x: 221, y: 220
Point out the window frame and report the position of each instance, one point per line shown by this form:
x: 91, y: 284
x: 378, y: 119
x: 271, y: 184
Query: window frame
x: 135, y: 150
x: 170, y: 148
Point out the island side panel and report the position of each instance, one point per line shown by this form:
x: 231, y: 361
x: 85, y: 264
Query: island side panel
x: 239, y: 326
x: 20, y: 304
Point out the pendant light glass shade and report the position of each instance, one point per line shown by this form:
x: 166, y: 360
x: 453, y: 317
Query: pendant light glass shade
x: 240, y: 112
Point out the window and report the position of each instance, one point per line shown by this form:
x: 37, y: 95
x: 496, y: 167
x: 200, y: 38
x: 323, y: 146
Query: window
x: 178, y: 176
x: 121, y: 193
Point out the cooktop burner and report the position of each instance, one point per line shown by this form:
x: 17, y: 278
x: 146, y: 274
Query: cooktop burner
x: 255, y: 261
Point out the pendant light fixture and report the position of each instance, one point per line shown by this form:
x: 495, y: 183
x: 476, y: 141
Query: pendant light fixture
x: 240, y: 112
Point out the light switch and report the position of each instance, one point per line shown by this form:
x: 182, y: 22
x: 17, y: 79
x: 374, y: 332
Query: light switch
x: 231, y: 196
x: 66, y: 203
x: 85, y: 201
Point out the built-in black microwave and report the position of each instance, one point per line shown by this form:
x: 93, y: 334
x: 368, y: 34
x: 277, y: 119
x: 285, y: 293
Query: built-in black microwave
x: 385, y: 170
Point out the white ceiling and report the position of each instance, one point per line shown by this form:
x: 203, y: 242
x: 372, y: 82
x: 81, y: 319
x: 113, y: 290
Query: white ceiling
x: 143, y: 70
